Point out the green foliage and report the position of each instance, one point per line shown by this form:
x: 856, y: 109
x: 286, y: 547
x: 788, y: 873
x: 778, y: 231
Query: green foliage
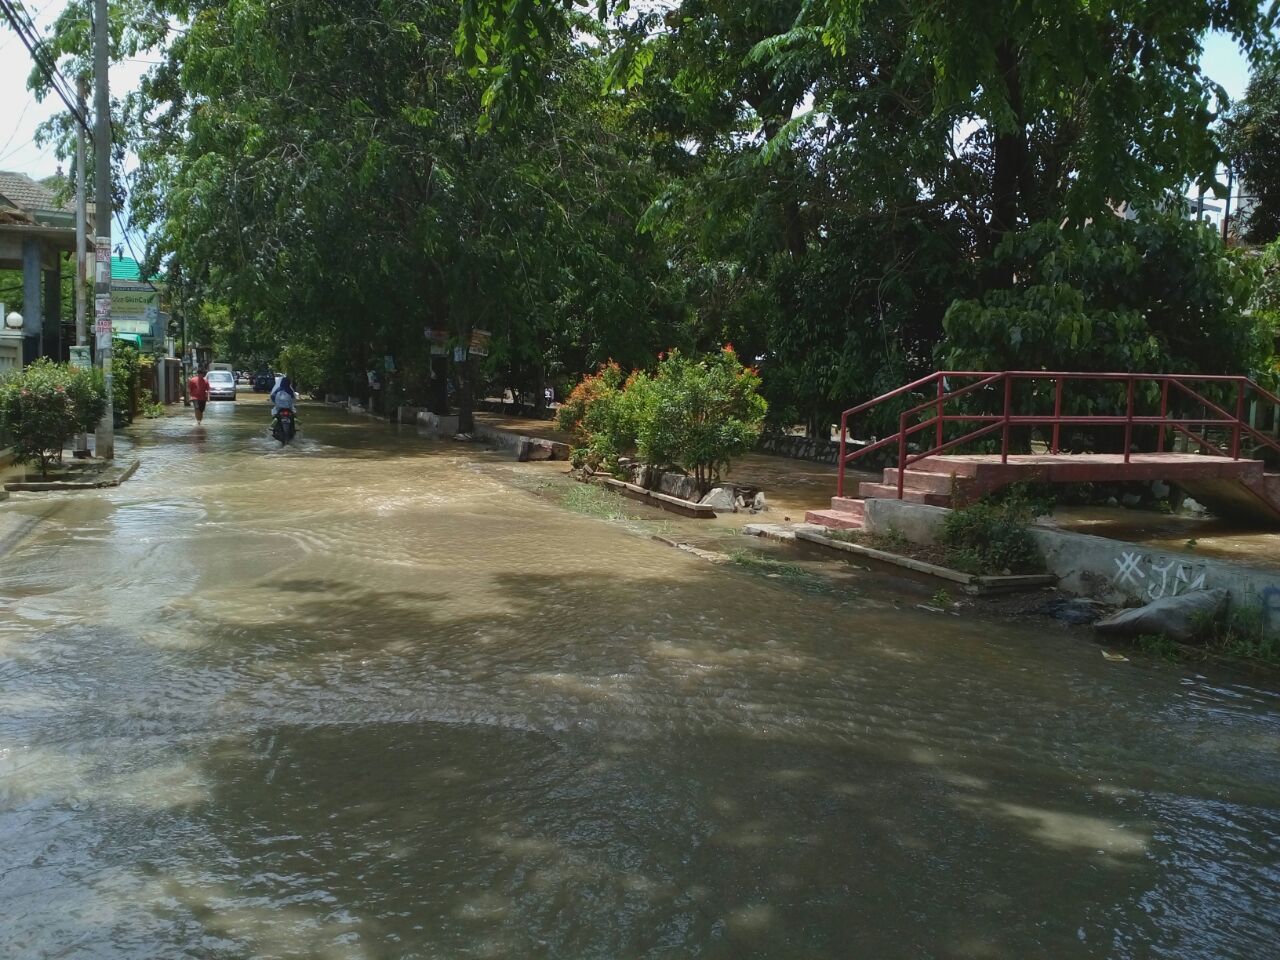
x: 306, y: 366
x: 125, y: 374
x: 595, y: 415
x: 152, y: 409
x: 786, y: 175
x: 991, y: 538
x: 696, y: 414
x: 1264, y: 303
x: 43, y: 406
x: 1158, y: 645
x: 88, y: 398
x: 1244, y: 634
x: 1252, y: 141
x: 692, y: 414
x: 1155, y: 295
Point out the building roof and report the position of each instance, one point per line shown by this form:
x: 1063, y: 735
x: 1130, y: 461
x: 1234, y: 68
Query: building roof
x: 20, y: 191
x: 128, y: 270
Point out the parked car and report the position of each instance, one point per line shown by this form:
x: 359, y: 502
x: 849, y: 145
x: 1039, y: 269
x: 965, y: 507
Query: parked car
x: 222, y: 385
x: 263, y: 382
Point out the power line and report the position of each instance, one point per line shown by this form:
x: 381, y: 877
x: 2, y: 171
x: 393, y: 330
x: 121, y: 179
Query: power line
x: 26, y: 32
x: 50, y: 62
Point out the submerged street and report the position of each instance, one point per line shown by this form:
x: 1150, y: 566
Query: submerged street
x: 361, y: 699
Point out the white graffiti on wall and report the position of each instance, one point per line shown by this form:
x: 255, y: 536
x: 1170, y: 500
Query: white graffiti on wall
x: 1135, y: 571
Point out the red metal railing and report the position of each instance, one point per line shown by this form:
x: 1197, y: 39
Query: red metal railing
x: 985, y: 424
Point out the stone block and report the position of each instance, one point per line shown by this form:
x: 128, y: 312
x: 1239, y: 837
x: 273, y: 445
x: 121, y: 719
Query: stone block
x: 679, y: 486
x: 721, y: 500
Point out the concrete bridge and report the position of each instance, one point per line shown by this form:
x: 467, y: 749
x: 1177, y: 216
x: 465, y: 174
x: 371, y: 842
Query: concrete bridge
x: 1204, y: 431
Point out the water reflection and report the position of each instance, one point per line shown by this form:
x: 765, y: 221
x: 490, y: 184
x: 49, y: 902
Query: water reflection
x: 334, y: 704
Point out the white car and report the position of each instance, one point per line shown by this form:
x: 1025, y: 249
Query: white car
x: 222, y: 385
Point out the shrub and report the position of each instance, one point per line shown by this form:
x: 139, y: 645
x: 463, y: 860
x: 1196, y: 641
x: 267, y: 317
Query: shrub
x: 124, y: 379
x: 588, y: 414
x: 992, y: 538
x: 698, y: 414
x: 44, y: 405
x: 692, y: 414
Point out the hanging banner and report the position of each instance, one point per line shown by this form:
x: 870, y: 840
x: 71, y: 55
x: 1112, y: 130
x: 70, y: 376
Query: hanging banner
x: 436, y: 335
x: 459, y: 354
x: 81, y: 357
x: 480, y: 342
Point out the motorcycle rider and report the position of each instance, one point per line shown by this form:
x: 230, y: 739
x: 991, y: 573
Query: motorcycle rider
x: 283, y: 397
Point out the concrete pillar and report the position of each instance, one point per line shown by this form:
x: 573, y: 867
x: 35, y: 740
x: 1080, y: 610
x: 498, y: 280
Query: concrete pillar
x: 32, y: 314
x: 53, y: 310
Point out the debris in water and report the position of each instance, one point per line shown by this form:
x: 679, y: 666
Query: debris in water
x: 1115, y: 657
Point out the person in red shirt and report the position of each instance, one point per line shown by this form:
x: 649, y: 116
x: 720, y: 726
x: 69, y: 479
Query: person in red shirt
x: 198, y: 391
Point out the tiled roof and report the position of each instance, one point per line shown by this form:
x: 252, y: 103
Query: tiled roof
x: 125, y: 268
x: 25, y: 194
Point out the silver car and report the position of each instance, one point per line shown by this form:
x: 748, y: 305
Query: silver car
x: 222, y: 385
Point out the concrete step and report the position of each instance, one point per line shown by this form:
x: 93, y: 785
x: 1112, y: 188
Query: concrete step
x: 886, y: 491
x: 947, y: 466
x: 849, y: 505
x: 836, y: 519
x: 925, y: 480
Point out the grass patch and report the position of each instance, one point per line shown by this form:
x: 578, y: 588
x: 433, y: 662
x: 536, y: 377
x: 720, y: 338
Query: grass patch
x: 1159, y: 646
x: 1243, y: 635
x: 776, y: 569
x: 990, y: 538
x: 593, y: 501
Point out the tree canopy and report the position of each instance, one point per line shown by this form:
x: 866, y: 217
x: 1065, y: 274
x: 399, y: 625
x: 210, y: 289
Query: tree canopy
x: 819, y: 182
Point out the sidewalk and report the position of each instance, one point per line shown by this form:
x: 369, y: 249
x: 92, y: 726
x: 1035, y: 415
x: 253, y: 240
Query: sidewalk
x: 790, y: 486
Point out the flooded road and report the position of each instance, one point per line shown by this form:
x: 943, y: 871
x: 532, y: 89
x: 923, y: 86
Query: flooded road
x: 361, y: 699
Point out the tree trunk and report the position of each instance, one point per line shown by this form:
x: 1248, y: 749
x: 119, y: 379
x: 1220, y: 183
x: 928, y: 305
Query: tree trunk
x: 466, y: 397
x: 1009, y: 173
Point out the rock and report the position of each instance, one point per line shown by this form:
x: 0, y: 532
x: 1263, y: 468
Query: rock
x: 721, y: 500
x: 759, y: 503
x: 1131, y: 500
x: 1160, y: 490
x: 1180, y: 618
x: 644, y: 476
x: 1194, y: 506
x: 532, y: 448
x: 740, y: 503
x: 1074, y: 610
x: 1112, y: 502
x: 679, y: 486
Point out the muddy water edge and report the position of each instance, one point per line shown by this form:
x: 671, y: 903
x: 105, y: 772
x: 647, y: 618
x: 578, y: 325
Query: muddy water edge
x: 365, y: 698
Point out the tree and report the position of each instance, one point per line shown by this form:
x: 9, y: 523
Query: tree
x: 1252, y: 141
x: 1157, y: 295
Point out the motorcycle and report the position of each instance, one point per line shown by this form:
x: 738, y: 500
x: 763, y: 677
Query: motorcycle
x: 285, y: 426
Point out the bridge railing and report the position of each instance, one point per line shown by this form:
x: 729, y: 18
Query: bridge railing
x: 999, y: 386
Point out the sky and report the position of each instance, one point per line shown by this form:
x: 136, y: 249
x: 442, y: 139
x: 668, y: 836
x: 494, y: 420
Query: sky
x: 20, y: 114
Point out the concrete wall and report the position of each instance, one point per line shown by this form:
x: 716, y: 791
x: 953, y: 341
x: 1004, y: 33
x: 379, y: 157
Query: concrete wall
x: 1110, y: 570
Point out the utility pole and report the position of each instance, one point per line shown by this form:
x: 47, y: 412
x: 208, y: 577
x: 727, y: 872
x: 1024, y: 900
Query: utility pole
x: 1226, y: 204
x: 82, y: 91
x: 106, y: 445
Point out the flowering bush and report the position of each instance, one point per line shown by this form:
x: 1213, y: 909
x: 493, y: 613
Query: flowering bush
x: 590, y: 414
x: 42, y: 406
x: 692, y: 414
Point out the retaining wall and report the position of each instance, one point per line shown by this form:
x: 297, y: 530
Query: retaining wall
x: 1110, y: 570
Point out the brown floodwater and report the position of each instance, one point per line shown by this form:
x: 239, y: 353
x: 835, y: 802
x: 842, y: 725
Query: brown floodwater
x: 362, y: 698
